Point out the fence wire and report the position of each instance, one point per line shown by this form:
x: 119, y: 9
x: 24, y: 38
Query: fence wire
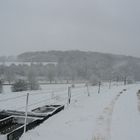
x: 52, y: 96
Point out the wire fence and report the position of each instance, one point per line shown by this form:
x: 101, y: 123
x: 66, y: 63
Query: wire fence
x: 53, y: 96
x: 61, y: 95
x: 12, y: 98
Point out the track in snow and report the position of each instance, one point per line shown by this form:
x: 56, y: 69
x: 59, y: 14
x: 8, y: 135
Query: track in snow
x: 103, y: 126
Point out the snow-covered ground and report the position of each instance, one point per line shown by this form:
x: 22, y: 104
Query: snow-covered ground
x: 126, y: 117
x: 111, y: 115
x: 49, y: 94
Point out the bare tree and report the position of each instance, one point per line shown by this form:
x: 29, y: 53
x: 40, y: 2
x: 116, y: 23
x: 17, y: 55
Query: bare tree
x: 33, y: 83
x: 9, y: 75
x: 50, y: 72
x: 1, y: 86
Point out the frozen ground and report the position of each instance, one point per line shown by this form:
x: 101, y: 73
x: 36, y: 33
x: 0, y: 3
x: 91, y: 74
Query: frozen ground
x: 111, y: 115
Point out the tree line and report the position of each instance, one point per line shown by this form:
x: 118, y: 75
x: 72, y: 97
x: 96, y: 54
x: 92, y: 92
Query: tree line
x: 72, y: 66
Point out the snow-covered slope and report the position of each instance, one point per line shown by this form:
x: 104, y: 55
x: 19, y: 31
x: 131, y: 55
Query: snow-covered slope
x: 110, y: 115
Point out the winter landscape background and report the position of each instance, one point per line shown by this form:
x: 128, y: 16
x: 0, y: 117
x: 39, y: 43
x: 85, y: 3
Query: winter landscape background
x: 99, y: 92
x: 69, y: 70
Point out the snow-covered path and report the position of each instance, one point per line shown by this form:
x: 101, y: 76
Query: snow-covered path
x: 126, y: 117
x: 103, y: 126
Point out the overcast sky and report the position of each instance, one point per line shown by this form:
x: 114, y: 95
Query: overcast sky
x: 111, y: 26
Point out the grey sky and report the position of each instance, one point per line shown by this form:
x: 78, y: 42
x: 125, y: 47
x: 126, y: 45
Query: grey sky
x: 111, y: 26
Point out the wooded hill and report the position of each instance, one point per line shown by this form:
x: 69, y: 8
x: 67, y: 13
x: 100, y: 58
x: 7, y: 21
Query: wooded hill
x: 87, y: 64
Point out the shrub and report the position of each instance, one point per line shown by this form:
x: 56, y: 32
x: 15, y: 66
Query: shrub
x: 20, y: 85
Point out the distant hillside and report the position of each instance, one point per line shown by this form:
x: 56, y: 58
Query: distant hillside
x: 56, y: 56
x: 88, y: 63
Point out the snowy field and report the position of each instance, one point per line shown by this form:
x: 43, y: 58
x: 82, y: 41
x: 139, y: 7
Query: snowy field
x: 111, y: 115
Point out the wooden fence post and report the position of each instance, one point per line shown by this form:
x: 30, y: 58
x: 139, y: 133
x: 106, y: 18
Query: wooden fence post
x: 69, y: 95
x: 99, y: 87
x: 26, y: 112
x: 88, y: 90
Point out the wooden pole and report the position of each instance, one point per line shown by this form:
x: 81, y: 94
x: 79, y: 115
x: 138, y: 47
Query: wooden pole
x: 69, y: 95
x: 110, y: 84
x: 99, y: 87
x: 88, y: 90
x: 26, y: 112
